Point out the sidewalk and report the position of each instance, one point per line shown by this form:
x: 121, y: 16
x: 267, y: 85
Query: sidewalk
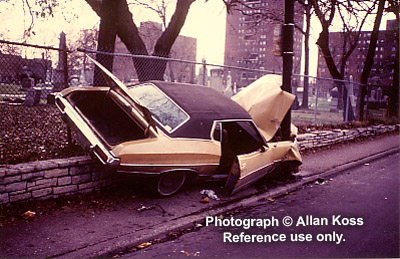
x: 126, y: 221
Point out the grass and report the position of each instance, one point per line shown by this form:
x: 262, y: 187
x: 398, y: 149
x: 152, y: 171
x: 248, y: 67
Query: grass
x: 323, y: 116
x: 307, y: 117
x: 11, y: 89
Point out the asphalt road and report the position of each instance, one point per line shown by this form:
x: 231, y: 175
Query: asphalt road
x: 355, y: 214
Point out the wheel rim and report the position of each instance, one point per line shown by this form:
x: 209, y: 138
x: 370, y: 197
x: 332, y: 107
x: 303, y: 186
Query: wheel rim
x: 169, y: 183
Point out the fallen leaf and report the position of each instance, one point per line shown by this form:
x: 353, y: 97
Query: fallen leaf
x: 144, y: 245
x: 198, y: 225
x: 270, y: 199
x: 28, y: 214
x: 205, y: 200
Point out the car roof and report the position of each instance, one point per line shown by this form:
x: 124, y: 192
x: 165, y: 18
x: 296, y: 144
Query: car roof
x: 204, y: 105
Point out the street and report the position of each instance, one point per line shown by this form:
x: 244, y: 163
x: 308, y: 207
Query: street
x: 354, y: 214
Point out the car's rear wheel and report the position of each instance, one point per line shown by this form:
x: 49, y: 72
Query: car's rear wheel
x: 170, y: 183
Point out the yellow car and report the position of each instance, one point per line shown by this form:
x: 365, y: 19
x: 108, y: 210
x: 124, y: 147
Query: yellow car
x: 172, y: 130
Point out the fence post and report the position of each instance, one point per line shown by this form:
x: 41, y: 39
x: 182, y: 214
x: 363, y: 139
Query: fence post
x: 346, y: 92
x: 316, y: 102
x: 64, y: 65
x: 204, y: 73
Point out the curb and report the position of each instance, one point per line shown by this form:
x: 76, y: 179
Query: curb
x: 130, y: 240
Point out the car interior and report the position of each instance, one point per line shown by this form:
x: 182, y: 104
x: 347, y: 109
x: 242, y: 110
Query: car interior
x: 108, y: 119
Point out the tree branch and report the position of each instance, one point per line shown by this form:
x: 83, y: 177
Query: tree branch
x: 168, y: 37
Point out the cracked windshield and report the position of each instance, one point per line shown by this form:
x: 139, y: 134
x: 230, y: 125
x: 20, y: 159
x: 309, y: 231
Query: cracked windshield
x: 165, y: 111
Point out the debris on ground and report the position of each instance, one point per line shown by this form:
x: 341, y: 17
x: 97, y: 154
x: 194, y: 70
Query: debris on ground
x: 210, y: 193
x: 28, y: 214
x: 205, y: 200
x: 144, y: 245
x: 319, y: 181
x: 143, y: 208
x: 188, y: 254
x: 198, y: 225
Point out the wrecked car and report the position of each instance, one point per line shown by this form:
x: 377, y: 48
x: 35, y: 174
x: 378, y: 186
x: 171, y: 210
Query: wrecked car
x: 172, y: 131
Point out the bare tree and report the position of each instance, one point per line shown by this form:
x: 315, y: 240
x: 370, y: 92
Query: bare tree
x: 87, y: 40
x: 353, y: 14
x: 116, y: 14
x: 307, y: 11
x: 369, y: 62
x: 33, y: 10
x: 159, y: 7
x: 394, y: 108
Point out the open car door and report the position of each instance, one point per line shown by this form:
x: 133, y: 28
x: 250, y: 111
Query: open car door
x: 251, y: 167
x: 245, y: 155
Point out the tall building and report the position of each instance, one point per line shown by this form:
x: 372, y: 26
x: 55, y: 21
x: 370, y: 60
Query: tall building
x: 184, y: 48
x: 381, y: 75
x: 250, y: 30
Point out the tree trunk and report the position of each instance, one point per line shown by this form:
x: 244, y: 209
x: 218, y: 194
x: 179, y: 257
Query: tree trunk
x: 369, y: 62
x: 323, y: 43
x: 304, y: 104
x: 394, y: 92
x: 164, y: 44
x: 106, y: 39
x: 146, y: 68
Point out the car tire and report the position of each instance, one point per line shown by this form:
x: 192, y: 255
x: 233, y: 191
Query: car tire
x: 170, y: 183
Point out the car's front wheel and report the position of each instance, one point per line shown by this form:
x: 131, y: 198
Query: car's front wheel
x: 169, y: 183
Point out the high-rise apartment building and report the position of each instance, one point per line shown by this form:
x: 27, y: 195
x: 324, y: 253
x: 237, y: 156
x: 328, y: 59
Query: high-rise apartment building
x: 385, y: 53
x: 249, y: 41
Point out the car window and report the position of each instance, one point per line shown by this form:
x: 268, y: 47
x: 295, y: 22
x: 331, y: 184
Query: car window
x: 217, y: 132
x: 240, y: 136
x: 162, y: 108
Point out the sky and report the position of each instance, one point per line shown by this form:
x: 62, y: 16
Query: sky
x: 205, y: 21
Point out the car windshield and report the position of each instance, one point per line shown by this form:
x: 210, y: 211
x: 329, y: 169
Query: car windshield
x: 162, y: 108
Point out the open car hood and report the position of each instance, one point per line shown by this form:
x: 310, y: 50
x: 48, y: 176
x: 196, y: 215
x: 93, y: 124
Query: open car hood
x: 266, y: 102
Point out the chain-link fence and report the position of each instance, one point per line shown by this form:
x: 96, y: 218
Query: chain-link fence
x: 31, y: 127
x: 325, y: 103
x: 328, y: 101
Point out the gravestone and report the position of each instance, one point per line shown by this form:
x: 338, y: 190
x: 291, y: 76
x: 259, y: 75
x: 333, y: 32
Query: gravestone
x: 32, y: 97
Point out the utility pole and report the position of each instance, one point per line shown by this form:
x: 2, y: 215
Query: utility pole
x: 287, y: 58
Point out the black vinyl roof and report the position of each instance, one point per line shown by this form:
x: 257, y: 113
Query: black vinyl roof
x: 204, y: 105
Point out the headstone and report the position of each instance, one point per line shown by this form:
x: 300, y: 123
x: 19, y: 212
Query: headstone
x: 27, y: 82
x: 32, y: 97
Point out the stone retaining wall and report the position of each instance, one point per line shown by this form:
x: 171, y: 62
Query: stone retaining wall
x: 321, y: 138
x: 57, y: 177
x: 51, y: 178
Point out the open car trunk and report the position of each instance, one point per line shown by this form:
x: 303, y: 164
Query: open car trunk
x: 102, y: 119
x: 108, y: 119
